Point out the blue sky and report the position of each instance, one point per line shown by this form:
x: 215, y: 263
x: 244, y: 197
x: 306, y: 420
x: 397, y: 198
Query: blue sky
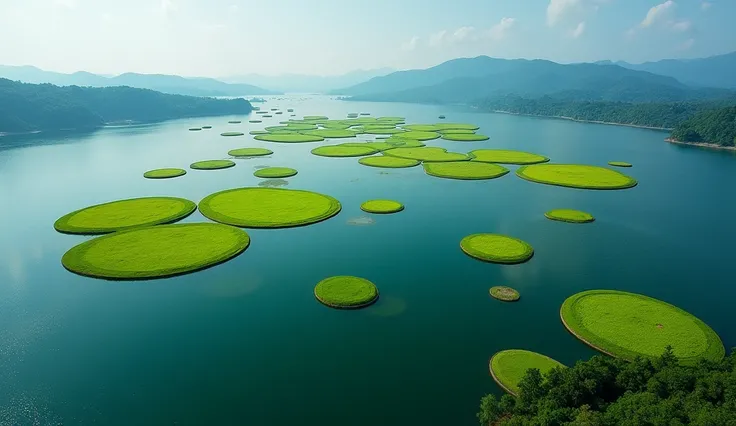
x: 235, y: 37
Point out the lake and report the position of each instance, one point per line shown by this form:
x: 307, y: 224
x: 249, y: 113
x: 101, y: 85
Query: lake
x: 246, y: 342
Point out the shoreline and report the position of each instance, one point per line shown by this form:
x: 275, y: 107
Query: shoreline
x: 702, y: 145
x: 562, y: 117
x: 495, y: 379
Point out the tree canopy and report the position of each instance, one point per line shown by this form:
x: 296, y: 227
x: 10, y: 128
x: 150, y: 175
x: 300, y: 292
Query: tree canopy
x: 716, y: 126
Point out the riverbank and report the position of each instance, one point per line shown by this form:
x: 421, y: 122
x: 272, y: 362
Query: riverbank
x: 702, y: 145
x: 562, y: 117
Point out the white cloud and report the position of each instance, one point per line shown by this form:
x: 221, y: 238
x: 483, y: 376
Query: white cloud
x: 438, y: 38
x: 502, y: 29
x: 657, y: 14
x: 579, y: 30
x: 463, y: 33
x: 411, y: 44
x: 682, y: 26
x: 706, y: 5
x: 687, y: 44
x: 69, y: 4
x: 557, y: 9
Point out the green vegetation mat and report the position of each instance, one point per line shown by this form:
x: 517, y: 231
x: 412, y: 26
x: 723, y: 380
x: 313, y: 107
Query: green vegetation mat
x: 378, y: 146
x: 382, y: 130
x: 255, y: 121
x: 249, y: 152
x: 206, y: 127
x: 156, y: 251
x: 576, y: 176
x: 232, y: 134
x: 345, y: 292
x: 506, y: 294
x: 315, y: 117
x: 619, y: 164
x: 504, y: 156
x: 456, y: 132
x: 397, y: 142
x: 496, y: 248
x: 289, y: 138
x: 258, y: 132
x: 388, y: 162
x: 295, y: 127
x: 346, y: 150
x: 456, y: 126
x: 382, y: 206
x: 125, y: 214
x: 627, y: 325
x: 212, y: 164
x: 275, y: 172
x: 195, y: 129
x: 331, y: 133
x: 464, y: 137
x: 267, y: 116
x: 164, y: 173
x: 234, y: 122
x: 509, y: 367
x: 268, y: 207
x: 465, y: 170
x: 420, y: 136
x: 568, y: 215
x: 426, y: 154
x: 422, y: 127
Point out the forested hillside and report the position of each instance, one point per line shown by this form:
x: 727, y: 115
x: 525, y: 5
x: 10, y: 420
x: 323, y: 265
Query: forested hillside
x: 28, y: 107
x: 716, y: 126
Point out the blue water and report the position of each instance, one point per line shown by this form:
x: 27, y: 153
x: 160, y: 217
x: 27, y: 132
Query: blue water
x: 246, y: 343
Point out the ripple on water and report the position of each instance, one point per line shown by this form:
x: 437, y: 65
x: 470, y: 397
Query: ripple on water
x: 361, y: 221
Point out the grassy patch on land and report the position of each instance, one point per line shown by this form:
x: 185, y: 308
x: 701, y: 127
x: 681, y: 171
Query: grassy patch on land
x: 509, y: 367
x: 345, y: 292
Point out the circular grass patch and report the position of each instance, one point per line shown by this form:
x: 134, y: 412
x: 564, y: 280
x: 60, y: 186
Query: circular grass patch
x: 456, y: 132
x: 619, y: 164
x: 382, y: 131
x: 125, y: 214
x: 505, y: 156
x: 382, y: 206
x: 331, y: 133
x: 164, y: 173
x: 506, y: 294
x: 510, y: 366
x: 464, y: 137
x: 432, y: 154
x: 294, y: 127
x: 212, y: 164
x: 420, y: 136
x: 398, y: 142
x: 388, y: 162
x: 465, y: 170
x: 268, y: 207
x: 289, y: 138
x: 249, y: 152
x: 421, y: 127
x: 258, y: 132
x: 156, y: 251
x: 232, y: 134
x: 456, y: 126
x: 344, y: 150
x: 627, y: 325
x: 569, y: 215
x: 345, y: 292
x: 576, y: 176
x: 496, y: 248
x: 275, y: 172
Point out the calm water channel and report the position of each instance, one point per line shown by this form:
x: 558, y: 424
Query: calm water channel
x: 246, y: 343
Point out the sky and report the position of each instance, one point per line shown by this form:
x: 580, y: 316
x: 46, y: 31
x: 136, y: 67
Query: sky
x: 219, y: 38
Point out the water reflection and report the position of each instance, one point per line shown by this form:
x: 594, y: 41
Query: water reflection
x: 273, y: 183
x: 388, y: 306
x: 361, y: 221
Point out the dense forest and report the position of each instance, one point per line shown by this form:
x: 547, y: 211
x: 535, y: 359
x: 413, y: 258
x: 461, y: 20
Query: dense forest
x: 28, y: 107
x: 717, y: 126
x: 607, y: 391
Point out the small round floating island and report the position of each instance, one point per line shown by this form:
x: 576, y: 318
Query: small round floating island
x: 346, y: 292
x: 382, y: 206
x: 509, y: 367
x: 496, y: 248
x: 569, y: 215
x: 506, y: 294
x: 576, y: 176
x: 164, y: 173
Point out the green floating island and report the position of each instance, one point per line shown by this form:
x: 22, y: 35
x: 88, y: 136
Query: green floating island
x: 382, y: 206
x: 506, y: 294
x: 268, y: 207
x: 290, y: 110
x: 206, y: 127
x: 568, y: 215
x: 156, y: 251
x: 164, y: 173
x: 576, y: 176
x: 249, y: 152
x: 456, y: 126
x: 267, y: 116
x: 195, y: 129
x: 382, y: 131
x: 212, y: 164
x: 465, y: 170
x: 388, y: 162
x: 628, y: 325
x: 258, y: 132
x: 505, y: 156
x: 315, y: 118
x: 456, y: 131
x: 261, y: 112
x: 365, y: 113
x: 398, y: 142
x: 509, y: 367
x: 346, y: 150
x: 336, y: 126
x: 496, y: 248
x: 464, y: 137
x: 232, y: 134
x: 255, y: 121
x: 278, y: 112
x: 426, y: 154
x: 274, y: 109
x: 289, y: 138
x: 422, y: 127
x: 420, y: 136
x: 275, y: 172
x: 330, y: 133
x: 619, y: 164
x: 294, y: 127
x: 345, y: 292
x: 125, y: 214
x: 234, y: 122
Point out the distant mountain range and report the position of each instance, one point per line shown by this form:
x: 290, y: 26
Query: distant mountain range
x: 300, y: 83
x: 715, y: 71
x: 469, y: 79
x: 171, y: 84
